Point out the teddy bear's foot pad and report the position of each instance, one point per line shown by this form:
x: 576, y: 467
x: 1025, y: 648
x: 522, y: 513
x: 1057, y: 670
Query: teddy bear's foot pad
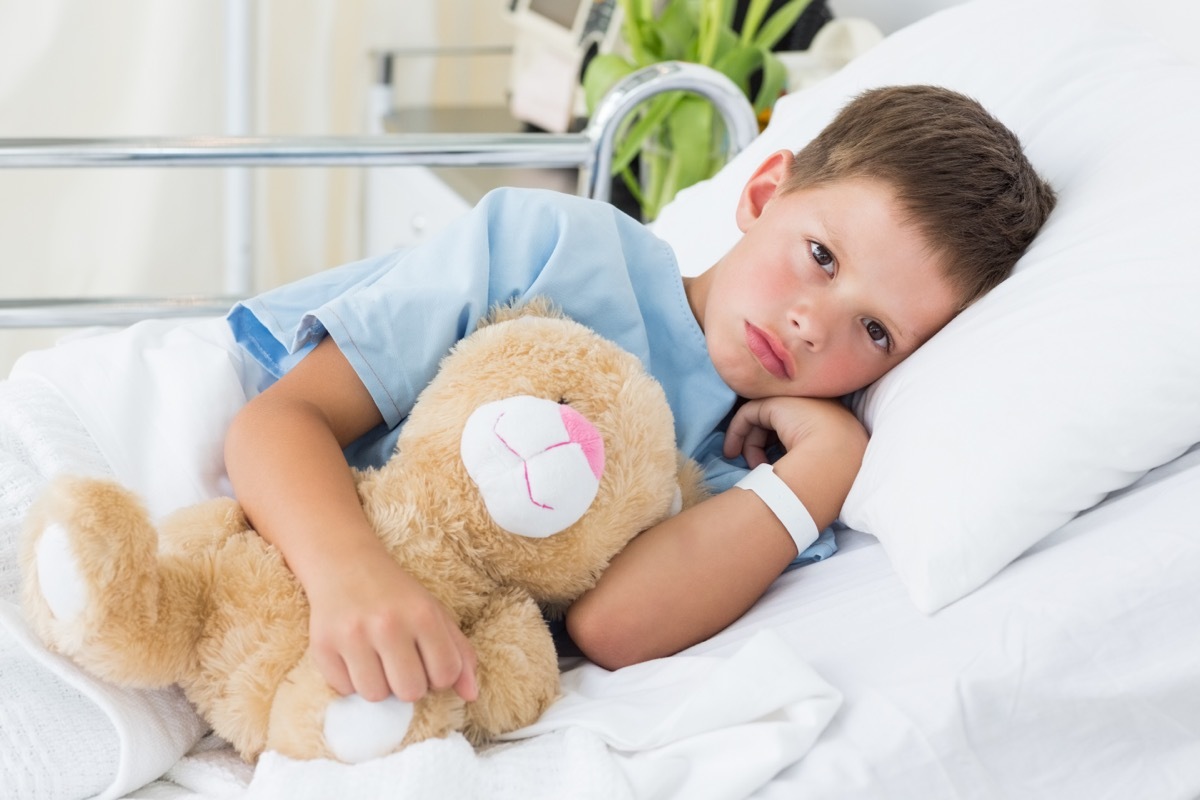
x: 358, y: 730
x: 63, y: 587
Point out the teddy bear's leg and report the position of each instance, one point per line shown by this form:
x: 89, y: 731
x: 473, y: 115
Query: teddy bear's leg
x: 310, y: 720
x: 517, y: 670
x: 298, y: 713
x: 96, y: 589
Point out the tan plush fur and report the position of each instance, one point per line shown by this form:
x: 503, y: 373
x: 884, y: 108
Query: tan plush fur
x: 204, y: 602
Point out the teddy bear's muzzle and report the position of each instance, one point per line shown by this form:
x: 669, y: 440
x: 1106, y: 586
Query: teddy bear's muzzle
x: 537, y: 463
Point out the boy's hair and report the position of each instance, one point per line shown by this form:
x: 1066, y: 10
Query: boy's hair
x: 958, y: 171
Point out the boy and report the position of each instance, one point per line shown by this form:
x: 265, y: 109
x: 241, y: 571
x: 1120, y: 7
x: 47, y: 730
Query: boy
x: 856, y: 250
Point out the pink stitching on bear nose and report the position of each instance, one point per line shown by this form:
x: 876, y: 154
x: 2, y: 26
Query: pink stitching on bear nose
x: 584, y: 434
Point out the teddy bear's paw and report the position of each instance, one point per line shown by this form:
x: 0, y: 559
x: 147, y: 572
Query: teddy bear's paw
x: 358, y: 730
x: 62, y: 585
x: 88, y: 554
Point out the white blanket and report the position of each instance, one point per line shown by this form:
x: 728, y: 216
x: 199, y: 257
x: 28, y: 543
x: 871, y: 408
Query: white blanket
x: 662, y: 729
x: 683, y: 727
x: 65, y: 734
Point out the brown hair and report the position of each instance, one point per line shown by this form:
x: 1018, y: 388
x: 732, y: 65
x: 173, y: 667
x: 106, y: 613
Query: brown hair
x: 958, y: 171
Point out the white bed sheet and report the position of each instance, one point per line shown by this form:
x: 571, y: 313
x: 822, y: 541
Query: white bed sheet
x: 1074, y: 674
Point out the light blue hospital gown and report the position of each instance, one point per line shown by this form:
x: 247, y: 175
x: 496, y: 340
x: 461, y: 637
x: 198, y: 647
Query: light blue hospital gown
x: 395, y: 316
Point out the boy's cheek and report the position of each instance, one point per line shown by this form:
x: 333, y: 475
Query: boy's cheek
x: 834, y: 375
x: 777, y: 285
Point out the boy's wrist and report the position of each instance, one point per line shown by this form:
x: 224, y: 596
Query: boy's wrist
x: 836, y: 432
x: 821, y: 473
x: 784, y: 504
x: 334, y: 561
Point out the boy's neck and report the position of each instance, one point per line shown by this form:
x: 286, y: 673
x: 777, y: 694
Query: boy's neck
x: 696, y: 289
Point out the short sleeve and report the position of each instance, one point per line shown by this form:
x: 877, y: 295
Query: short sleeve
x: 395, y: 317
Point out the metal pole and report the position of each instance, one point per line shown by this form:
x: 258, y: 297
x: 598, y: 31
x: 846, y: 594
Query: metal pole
x: 402, y: 149
x: 633, y: 90
x: 239, y: 111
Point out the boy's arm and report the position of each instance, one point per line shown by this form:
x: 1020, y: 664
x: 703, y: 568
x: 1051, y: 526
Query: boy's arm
x: 373, y: 629
x: 692, y: 575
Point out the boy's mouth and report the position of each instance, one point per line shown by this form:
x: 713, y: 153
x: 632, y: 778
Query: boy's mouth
x: 774, y: 358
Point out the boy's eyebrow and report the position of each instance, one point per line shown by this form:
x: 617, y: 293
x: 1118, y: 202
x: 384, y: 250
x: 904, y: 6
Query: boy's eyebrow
x: 832, y: 238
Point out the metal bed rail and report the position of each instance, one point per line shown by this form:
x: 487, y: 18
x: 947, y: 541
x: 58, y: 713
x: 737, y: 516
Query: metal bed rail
x: 591, y: 150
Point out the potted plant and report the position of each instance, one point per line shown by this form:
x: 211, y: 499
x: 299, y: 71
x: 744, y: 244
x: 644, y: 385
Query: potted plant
x: 677, y: 139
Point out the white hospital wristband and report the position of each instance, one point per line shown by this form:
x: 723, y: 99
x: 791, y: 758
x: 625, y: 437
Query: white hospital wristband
x: 783, y: 503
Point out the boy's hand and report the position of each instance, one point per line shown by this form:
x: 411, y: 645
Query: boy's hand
x: 374, y: 630
x: 790, y: 420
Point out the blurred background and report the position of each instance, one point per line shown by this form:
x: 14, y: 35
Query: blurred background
x: 74, y: 68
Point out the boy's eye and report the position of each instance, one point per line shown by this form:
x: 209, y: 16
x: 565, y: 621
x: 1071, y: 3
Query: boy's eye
x: 823, y: 257
x: 878, y: 334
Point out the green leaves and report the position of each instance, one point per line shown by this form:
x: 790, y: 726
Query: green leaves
x: 678, y: 137
x: 777, y: 26
x: 602, y: 74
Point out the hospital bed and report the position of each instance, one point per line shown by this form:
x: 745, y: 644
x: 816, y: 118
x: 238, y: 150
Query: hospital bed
x: 1012, y: 612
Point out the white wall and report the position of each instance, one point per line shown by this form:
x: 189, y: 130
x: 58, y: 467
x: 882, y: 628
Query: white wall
x: 890, y: 15
x: 1175, y: 23
x: 75, y: 68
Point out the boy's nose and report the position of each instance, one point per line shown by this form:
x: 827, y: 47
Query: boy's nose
x: 809, y: 326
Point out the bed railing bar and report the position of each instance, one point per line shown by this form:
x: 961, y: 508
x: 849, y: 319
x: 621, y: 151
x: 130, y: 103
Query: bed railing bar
x: 591, y: 151
x: 442, y: 51
x: 401, y: 149
x: 741, y: 123
x: 71, y: 312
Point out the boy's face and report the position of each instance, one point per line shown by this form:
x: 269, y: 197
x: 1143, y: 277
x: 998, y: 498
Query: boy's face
x: 826, y: 291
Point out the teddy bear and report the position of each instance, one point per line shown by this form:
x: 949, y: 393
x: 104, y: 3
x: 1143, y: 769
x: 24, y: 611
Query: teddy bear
x: 534, y: 455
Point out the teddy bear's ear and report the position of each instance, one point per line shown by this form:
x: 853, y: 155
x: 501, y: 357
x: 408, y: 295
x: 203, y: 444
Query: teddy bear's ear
x: 534, y: 307
x: 537, y: 463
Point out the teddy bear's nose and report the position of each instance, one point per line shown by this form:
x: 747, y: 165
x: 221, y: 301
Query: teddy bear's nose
x: 584, y: 434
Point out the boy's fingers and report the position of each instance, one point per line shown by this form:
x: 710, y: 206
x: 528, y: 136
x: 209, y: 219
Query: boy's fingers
x: 442, y: 658
x: 746, y: 429
x: 755, y: 456
x: 405, y: 673
x: 333, y: 669
x: 450, y: 662
x: 466, y: 687
x: 753, y: 440
x: 368, y: 675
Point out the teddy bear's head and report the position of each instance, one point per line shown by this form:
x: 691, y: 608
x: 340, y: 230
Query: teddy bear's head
x: 550, y: 447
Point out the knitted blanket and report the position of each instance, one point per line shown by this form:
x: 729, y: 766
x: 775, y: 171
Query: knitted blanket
x: 64, y: 734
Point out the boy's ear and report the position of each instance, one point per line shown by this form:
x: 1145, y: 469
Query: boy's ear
x: 762, y: 186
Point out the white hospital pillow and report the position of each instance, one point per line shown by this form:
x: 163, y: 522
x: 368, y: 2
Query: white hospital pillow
x: 1079, y: 373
